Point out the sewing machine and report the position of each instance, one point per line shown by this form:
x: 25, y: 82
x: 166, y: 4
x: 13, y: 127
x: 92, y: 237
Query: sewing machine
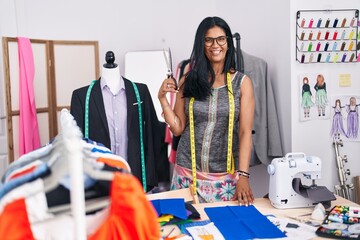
x: 283, y: 173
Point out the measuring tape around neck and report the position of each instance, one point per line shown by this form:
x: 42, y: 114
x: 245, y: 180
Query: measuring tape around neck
x: 86, y: 127
x: 87, y: 99
x: 143, y: 172
x: 230, y: 159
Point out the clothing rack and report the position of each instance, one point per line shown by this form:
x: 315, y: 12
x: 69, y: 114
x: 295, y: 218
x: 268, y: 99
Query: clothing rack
x: 72, y: 137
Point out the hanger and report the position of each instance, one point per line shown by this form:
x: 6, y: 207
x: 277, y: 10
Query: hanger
x: 71, y: 150
x: 74, y: 150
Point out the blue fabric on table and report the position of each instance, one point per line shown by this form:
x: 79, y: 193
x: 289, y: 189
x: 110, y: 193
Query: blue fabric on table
x: 240, y: 222
x: 175, y: 207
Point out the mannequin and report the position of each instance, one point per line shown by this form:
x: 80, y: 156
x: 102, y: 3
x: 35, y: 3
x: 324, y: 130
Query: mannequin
x: 110, y: 73
x: 113, y: 119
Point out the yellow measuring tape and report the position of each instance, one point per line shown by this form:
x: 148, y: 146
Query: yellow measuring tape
x: 230, y: 159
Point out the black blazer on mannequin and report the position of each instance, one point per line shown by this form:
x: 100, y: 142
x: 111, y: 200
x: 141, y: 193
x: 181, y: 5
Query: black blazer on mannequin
x: 99, y: 130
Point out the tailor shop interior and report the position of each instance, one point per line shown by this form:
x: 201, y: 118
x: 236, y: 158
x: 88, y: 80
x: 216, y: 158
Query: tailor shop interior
x: 98, y: 160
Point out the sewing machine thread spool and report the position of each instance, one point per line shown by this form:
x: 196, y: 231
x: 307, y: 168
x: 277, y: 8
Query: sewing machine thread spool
x: 335, y: 219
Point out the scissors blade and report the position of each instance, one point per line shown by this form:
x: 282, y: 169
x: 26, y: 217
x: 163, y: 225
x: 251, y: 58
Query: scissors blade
x: 170, y: 63
x: 168, y: 60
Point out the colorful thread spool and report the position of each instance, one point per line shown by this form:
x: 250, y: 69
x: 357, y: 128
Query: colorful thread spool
x: 319, y: 23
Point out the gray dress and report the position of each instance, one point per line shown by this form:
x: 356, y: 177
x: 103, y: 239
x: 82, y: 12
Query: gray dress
x: 211, y: 119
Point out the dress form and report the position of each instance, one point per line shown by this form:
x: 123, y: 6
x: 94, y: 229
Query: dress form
x: 110, y: 73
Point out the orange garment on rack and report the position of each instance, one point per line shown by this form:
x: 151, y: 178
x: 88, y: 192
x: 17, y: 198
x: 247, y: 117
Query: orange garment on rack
x: 114, y: 163
x: 131, y: 215
x: 15, y: 224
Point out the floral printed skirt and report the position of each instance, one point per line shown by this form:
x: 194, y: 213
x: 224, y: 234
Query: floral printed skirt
x: 210, y: 187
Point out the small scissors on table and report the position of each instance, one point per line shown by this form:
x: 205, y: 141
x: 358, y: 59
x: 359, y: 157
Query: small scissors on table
x: 168, y: 60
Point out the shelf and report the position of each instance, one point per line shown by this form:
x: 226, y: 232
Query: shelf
x: 335, y: 40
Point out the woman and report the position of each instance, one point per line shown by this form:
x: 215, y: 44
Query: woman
x: 306, y: 102
x: 352, y: 118
x: 207, y: 95
x: 321, y: 100
x: 337, y: 127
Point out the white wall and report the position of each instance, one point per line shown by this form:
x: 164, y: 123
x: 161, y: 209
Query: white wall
x: 313, y: 137
x: 267, y: 31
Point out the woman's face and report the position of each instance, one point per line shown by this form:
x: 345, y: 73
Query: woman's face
x: 214, y: 37
x: 352, y: 101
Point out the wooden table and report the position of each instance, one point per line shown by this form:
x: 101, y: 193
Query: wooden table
x: 262, y: 204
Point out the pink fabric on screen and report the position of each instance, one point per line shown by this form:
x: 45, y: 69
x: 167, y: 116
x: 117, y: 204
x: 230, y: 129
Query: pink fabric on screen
x: 29, y: 129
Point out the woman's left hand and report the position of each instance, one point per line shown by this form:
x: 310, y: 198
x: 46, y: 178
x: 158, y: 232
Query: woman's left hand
x: 243, y: 192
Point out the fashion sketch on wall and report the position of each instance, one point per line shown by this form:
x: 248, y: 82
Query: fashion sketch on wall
x: 314, y: 101
x: 345, y: 117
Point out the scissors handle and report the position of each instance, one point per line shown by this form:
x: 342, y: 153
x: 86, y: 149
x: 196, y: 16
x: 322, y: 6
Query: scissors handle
x: 170, y: 75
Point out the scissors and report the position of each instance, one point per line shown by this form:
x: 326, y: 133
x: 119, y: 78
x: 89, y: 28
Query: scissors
x: 168, y: 60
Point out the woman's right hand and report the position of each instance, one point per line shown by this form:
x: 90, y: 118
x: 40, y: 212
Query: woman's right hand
x: 168, y: 85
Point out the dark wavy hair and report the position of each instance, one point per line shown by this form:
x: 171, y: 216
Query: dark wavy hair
x: 196, y: 81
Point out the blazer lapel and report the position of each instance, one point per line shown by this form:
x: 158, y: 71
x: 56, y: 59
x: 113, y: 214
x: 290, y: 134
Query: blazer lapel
x: 131, y: 99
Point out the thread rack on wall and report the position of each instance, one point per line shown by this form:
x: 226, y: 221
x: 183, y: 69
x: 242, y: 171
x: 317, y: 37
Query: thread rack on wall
x: 328, y: 36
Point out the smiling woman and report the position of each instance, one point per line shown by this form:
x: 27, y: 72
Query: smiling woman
x: 213, y: 113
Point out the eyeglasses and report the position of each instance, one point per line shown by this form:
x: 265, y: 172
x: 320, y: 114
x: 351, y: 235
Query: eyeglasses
x: 209, y: 41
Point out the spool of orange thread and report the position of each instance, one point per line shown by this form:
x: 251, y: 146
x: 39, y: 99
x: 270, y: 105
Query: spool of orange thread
x: 351, y: 45
x: 318, y: 35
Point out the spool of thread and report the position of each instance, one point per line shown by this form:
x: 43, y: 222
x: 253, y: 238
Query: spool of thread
x: 326, y: 46
x: 343, y: 57
x: 358, y: 58
x: 318, y: 46
x: 309, y: 47
x: 352, y: 57
x: 335, y: 219
x: 335, y: 35
x: 327, y: 23
x: 319, y: 23
x: 358, y: 46
x: 352, y: 22
x: 343, y: 46
x: 343, y: 34
x: 328, y: 58
x: 335, y: 22
x: 351, y: 35
x: 311, y: 57
x: 351, y: 45
x: 334, y: 46
x: 311, y: 23
x: 343, y: 22
x: 356, y: 181
x: 310, y: 35
x: 303, y: 58
x: 302, y: 35
x: 318, y: 35
x: 327, y: 35
x: 336, y: 57
x: 302, y: 47
x: 302, y: 22
x: 319, y: 57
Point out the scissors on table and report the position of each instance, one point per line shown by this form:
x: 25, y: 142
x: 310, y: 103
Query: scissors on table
x: 168, y: 60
